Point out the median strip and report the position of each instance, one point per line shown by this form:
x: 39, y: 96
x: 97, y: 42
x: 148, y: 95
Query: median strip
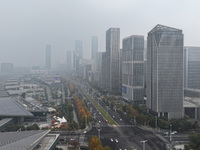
x: 100, y: 109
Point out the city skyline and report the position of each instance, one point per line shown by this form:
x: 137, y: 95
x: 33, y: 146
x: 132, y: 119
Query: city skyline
x: 24, y: 32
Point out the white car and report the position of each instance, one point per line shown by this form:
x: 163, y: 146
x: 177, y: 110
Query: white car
x: 174, y: 132
x: 84, y: 131
x: 111, y: 139
x: 116, y: 141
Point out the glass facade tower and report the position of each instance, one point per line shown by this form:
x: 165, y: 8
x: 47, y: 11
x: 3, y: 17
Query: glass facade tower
x: 165, y: 71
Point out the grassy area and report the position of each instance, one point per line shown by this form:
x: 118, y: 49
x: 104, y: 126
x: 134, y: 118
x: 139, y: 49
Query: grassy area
x: 101, y: 110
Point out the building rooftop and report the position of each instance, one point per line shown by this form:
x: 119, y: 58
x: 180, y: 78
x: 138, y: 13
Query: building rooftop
x: 162, y: 28
x: 187, y: 104
x: 48, y: 141
x: 21, y: 140
x: 10, y: 107
x: 3, y: 93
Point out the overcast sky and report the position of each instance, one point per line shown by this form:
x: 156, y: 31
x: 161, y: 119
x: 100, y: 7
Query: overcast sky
x: 26, y: 26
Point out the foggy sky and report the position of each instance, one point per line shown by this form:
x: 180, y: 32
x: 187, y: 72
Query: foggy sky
x: 27, y: 26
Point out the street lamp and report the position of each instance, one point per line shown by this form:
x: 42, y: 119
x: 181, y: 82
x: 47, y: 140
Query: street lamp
x: 144, y: 141
x: 99, y: 133
x: 156, y: 122
x: 170, y: 136
x: 107, y: 110
x: 85, y: 121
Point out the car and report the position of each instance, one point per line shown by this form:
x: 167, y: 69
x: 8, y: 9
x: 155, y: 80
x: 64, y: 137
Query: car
x: 120, y: 119
x: 174, y: 132
x: 166, y: 133
x: 111, y: 139
x: 116, y: 141
x: 84, y: 131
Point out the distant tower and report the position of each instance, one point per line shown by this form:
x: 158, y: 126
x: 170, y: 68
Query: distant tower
x: 165, y: 71
x: 69, y: 60
x: 48, y: 57
x: 133, y: 69
x: 7, y: 69
x: 192, y: 67
x: 112, y: 59
x: 79, y: 49
x: 94, y: 46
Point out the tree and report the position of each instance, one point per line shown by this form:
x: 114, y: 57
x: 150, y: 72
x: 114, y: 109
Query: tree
x: 95, y: 143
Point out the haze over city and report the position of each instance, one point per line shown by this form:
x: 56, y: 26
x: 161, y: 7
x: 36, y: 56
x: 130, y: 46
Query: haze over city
x: 27, y: 26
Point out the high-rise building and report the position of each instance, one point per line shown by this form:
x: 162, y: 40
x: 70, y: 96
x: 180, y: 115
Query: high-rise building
x: 192, y: 67
x: 133, y: 69
x: 120, y: 69
x: 112, y: 59
x: 69, y: 60
x: 94, y: 47
x: 103, y: 71
x: 48, y: 57
x: 7, y: 69
x: 79, y: 49
x: 165, y: 71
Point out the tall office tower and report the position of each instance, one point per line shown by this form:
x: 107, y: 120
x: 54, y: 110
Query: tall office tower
x: 94, y: 46
x: 69, y: 60
x: 103, y: 71
x: 112, y: 58
x: 120, y: 69
x: 74, y: 60
x: 79, y: 49
x: 133, y: 69
x: 48, y: 57
x: 192, y: 67
x: 98, y: 68
x: 165, y: 71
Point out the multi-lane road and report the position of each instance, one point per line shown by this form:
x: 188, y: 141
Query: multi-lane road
x: 123, y: 135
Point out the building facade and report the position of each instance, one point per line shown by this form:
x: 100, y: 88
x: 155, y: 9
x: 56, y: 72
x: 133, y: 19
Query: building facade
x: 79, y: 49
x: 94, y: 49
x: 103, y: 71
x: 7, y: 69
x: 48, y: 57
x: 112, y: 59
x: 69, y: 60
x: 165, y: 71
x: 133, y: 69
x: 192, y: 67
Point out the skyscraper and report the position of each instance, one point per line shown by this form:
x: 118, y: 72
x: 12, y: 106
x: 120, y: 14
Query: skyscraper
x: 165, y: 71
x: 69, y: 60
x: 112, y: 59
x: 192, y: 67
x: 48, y: 57
x: 79, y: 49
x: 94, y: 47
x: 133, y: 69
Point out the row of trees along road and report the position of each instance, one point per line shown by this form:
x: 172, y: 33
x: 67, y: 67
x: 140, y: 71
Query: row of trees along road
x: 83, y: 112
